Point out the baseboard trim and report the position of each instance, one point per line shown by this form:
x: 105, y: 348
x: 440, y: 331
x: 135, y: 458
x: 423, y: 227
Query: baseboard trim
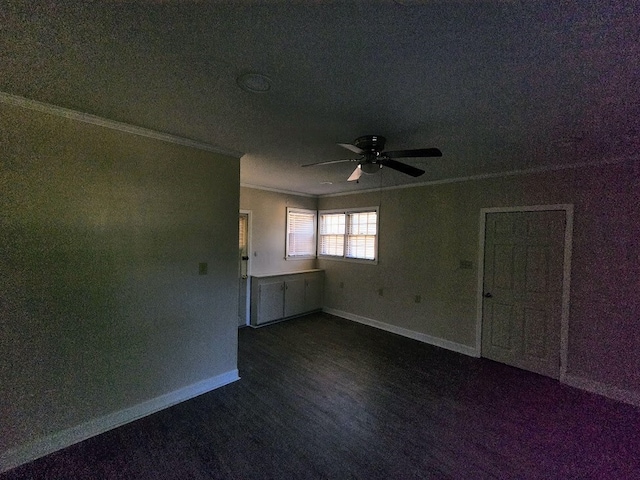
x: 630, y: 397
x: 421, y: 337
x: 615, y: 393
x: 39, y: 448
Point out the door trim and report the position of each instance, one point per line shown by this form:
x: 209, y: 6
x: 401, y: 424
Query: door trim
x: 250, y: 255
x: 566, y: 274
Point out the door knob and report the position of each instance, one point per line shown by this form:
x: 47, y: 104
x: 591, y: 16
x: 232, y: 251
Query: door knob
x: 488, y: 295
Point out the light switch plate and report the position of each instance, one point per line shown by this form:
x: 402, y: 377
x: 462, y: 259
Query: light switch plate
x: 466, y: 264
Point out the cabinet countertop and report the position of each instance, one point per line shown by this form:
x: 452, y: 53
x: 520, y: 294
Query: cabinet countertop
x: 300, y: 272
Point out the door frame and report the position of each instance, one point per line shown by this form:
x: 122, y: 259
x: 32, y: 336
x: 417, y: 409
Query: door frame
x: 249, y: 254
x: 566, y: 274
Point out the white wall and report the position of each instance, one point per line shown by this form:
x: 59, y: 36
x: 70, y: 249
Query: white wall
x: 268, y: 229
x: 101, y: 305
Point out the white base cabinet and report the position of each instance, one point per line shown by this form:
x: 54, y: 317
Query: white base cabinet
x: 275, y: 297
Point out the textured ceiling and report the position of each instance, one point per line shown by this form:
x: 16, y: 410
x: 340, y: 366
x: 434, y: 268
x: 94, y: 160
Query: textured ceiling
x: 496, y: 85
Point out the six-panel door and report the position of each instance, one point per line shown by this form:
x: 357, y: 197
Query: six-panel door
x: 522, y: 302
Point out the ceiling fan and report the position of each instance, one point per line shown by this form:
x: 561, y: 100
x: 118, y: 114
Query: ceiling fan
x: 373, y: 157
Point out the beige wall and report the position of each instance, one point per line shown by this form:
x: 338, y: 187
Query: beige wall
x: 426, y: 231
x: 268, y: 229
x: 101, y: 304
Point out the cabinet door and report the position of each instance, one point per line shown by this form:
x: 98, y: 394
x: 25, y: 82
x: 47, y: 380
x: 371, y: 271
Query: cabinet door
x: 294, y: 297
x: 313, y: 292
x: 271, y: 301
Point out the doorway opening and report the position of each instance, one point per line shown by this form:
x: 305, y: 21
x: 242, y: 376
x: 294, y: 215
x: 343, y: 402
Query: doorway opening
x: 244, y: 247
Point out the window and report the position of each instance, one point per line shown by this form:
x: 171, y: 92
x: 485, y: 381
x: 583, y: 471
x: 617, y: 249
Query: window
x: 301, y: 233
x: 332, y: 228
x: 349, y: 234
x: 361, y: 235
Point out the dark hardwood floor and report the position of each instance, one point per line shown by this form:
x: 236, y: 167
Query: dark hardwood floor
x: 322, y: 397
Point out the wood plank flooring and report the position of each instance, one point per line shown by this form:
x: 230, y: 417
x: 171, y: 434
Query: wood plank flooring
x: 323, y: 397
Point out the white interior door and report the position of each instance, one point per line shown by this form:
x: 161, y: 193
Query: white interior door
x: 243, y: 269
x: 522, y: 289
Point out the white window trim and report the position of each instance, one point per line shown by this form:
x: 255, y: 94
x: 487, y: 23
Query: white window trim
x: 315, y: 234
x: 343, y: 258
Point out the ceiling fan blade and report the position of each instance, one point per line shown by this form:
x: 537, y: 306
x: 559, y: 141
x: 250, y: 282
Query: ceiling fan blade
x: 353, y: 148
x: 420, y: 152
x: 402, y: 167
x: 357, y: 173
x: 332, y: 161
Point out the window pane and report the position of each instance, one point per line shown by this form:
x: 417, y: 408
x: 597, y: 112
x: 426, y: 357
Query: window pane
x: 332, y: 245
x: 362, y: 223
x: 242, y: 226
x: 332, y: 224
x: 361, y: 246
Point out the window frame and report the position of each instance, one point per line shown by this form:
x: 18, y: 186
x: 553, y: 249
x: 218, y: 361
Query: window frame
x: 309, y: 211
x: 346, y: 212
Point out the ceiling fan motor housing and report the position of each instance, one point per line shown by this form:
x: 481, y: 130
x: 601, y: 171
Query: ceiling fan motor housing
x: 369, y: 167
x: 370, y: 143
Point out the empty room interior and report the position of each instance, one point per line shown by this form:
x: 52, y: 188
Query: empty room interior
x: 368, y: 239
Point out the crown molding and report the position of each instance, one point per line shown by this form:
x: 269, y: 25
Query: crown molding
x: 50, y: 109
x: 277, y: 190
x: 484, y: 176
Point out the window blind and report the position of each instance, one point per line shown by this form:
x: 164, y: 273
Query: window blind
x: 301, y: 228
x: 332, y: 230
x: 361, y: 235
x: 242, y: 236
